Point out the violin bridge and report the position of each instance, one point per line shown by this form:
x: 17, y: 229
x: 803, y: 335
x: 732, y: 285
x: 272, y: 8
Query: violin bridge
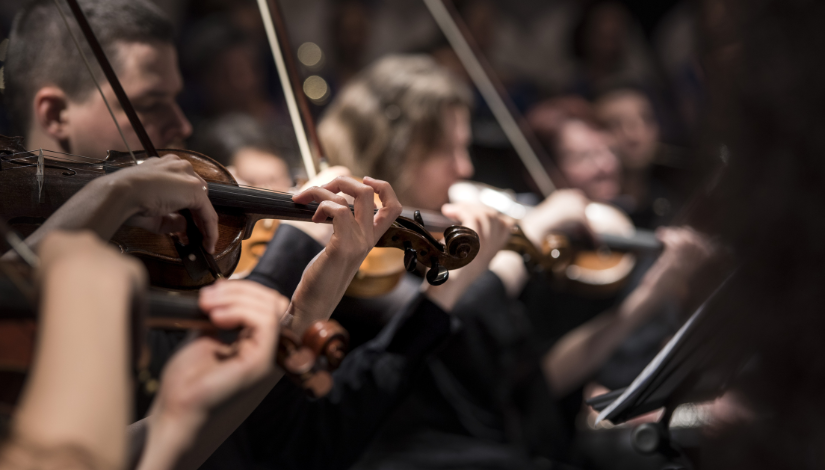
x: 40, y: 175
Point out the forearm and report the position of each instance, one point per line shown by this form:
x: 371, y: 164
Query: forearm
x: 102, y: 206
x: 321, y: 288
x: 577, y: 355
x: 82, y: 341
x: 186, y: 443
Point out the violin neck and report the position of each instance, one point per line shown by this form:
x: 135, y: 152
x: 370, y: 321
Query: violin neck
x: 641, y: 241
x: 259, y: 204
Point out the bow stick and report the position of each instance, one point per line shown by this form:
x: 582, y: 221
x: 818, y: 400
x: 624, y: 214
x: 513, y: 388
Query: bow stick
x: 494, y: 93
x: 297, y: 105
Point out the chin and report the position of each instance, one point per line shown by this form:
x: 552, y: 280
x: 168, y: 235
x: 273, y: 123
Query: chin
x: 605, y: 194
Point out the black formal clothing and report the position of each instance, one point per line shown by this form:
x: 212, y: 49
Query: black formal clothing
x: 290, y: 430
x: 482, y: 402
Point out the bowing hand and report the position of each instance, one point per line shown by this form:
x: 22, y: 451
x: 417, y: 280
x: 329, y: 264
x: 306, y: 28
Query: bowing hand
x: 160, y: 187
x: 563, y: 211
x: 206, y: 373
x: 493, y: 229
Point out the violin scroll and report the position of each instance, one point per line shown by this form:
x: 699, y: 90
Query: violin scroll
x: 310, y: 362
x: 419, y: 246
x: 328, y: 340
x: 299, y: 364
x: 461, y: 242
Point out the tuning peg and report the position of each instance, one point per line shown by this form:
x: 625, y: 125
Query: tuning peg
x: 410, y: 261
x: 417, y: 218
x: 437, y: 274
x: 318, y: 384
x: 300, y: 361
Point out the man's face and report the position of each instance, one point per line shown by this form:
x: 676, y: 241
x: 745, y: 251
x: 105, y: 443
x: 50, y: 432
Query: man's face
x: 629, y: 117
x: 150, y: 77
x: 587, y: 161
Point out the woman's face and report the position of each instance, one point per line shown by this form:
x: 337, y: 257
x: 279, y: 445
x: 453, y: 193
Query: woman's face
x: 445, y: 165
x: 587, y: 161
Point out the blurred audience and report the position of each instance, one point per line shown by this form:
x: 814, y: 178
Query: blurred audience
x: 610, y: 50
x: 223, y: 70
x: 350, y: 30
x: 611, y: 151
x: 628, y: 117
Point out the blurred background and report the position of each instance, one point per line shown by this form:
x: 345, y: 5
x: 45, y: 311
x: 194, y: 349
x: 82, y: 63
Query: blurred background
x: 552, y: 55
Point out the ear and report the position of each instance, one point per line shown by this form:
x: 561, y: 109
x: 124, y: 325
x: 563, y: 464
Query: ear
x: 50, y: 117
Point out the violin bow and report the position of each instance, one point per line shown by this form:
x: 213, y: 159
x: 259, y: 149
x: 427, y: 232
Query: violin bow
x: 196, y: 260
x: 297, y: 105
x: 494, y: 93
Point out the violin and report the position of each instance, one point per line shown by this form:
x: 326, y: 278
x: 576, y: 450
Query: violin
x: 25, y: 200
x: 41, y: 183
x: 576, y: 264
x: 377, y: 275
x: 590, y: 272
x: 308, y: 361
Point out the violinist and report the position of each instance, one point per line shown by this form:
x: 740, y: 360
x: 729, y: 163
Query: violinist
x: 406, y: 119
x: 51, y: 98
x: 53, y: 101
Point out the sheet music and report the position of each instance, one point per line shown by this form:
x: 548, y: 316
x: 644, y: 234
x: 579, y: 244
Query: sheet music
x: 649, y: 372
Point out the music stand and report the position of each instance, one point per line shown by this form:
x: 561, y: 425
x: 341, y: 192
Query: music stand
x: 697, y: 364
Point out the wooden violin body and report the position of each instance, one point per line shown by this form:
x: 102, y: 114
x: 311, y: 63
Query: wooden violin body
x: 576, y: 267
x: 28, y: 199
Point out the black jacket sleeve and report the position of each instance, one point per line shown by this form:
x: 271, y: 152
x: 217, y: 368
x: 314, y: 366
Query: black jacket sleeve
x: 286, y: 256
x: 290, y: 430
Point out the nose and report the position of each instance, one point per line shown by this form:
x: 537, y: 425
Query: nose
x: 607, y: 161
x: 463, y: 164
x: 179, y: 128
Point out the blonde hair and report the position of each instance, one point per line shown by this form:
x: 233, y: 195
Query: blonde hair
x: 389, y: 118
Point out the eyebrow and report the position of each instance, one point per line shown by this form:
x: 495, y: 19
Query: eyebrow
x: 153, y: 94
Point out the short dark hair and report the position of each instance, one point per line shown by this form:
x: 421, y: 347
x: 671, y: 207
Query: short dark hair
x: 41, y: 51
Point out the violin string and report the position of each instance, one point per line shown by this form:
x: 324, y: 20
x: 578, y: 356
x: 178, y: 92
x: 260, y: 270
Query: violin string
x: 261, y: 194
x: 31, y: 154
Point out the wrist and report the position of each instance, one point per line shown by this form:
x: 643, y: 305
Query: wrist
x: 510, y: 269
x: 169, y: 437
x: 123, y: 194
x: 535, y: 234
x: 322, y: 286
